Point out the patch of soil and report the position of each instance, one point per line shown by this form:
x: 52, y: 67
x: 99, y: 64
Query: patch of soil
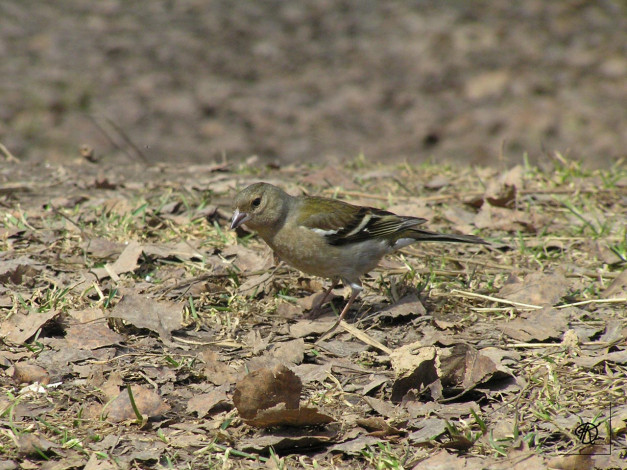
x: 300, y: 81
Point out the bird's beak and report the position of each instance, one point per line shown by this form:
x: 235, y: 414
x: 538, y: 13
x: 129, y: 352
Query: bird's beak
x: 238, y: 219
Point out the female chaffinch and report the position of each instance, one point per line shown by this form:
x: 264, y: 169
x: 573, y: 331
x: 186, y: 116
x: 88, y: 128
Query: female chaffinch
x: 329, y: 238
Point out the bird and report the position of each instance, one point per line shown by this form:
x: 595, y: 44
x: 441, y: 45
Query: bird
x: 327, y: 237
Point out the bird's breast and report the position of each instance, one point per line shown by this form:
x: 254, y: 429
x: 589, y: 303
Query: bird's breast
x: 307, y: 251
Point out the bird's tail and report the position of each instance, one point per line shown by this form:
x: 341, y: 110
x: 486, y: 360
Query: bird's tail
x: 427, y: 236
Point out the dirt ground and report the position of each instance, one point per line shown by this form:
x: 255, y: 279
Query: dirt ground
x: 138, y: 331
x: 473, y: 82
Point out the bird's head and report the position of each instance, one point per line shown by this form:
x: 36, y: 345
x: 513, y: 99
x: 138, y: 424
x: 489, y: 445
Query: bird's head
x: 260, y: 206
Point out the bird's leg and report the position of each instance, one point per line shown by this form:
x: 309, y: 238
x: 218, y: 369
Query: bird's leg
x: 354, y: 294
x: 315, y: 312
x: 355, y: 290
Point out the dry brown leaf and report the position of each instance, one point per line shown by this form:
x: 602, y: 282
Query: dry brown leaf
x: 148, y: 402
x: 126, y: 262
x: 375, y: 382
x: 20, y: 327
x: 33, y: 445
x: 498, y: 218
x: 613, y: 332
x: 444, y: 460
x: 111, y: 387
x: 315, y: 285
x: 310, y: 301
x: 279, y: 415
x: 264, y: 388
x: 19, y: 271
x: 181, y: 250
x: 249, y: 260
x: 466, y: 367
x: 430, y: 428
x: 160, y: 375
x: 144, y: 312
x: 537, y: 325
x: 409, y: 305
x: 102, y: 248
x: 306, y: 328
x: 384, y: 408
x: 355, y: 446
x: 255, y: 342
x: 288, y: 310
x: 87, y: 315
x: 539, y: 288
x: 588, y: 362
x: 415, y: 367
x: 217, y: 371
x: 378, y: 427
x: 202, y: 404
x: 95, y: 462
x: 289, y: 352
x: 290, y: 439
x: 30, y: 373
x: 313, y: 372
x: 91, y: 336
x: 501, y: 195
x: 618, y: 288
x: 256, y: 284
x: 446, y: 325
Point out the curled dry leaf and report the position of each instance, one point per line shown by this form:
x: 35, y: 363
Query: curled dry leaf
x: 465, y: 367
x: 265, y: 388
x: 415, y: 367
x: 279, y: 415
x: 588, y: 362
x: 383, y: 407
x: 290, y: 439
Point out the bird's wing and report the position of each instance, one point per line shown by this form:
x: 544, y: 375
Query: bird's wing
x: 342, y: 223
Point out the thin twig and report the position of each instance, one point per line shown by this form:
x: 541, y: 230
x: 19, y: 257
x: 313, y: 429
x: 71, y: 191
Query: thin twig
x: 360, y: 335
x: 128, y: 140
x: 595, y: 301
x: 8, y: 155
x: 495, y: 299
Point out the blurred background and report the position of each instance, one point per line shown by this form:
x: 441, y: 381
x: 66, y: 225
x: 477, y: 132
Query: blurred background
x: 196, y: 80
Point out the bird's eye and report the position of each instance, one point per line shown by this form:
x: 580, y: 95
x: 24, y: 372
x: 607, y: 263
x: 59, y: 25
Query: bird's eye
x: 256, y: 202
